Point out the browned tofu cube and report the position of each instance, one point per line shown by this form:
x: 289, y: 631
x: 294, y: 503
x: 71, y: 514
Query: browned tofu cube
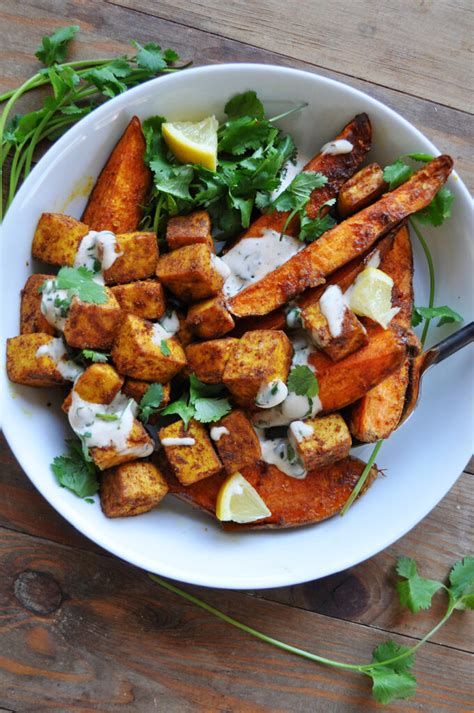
x: 131, y: 489
x: 362, y: 189
x: 24, y: 366
x: 191, y: 462
x: 260, y: 357
x: 136, y: 389
x: 138, y: 259
x: 350, y: 337
x: 208, y: 359
x: 189, y: 230
x: 140, y: 352
x: 99, y: 384
x: 210, y: 319
x: 92, y: 326
x: 185, y: 334
x: 320, y: 441
x: 31, y: 318
x: 189, y: 273
x: 143, y: 298
x: 57, y: 238
x: 139, y: 445
x: 236, y: 441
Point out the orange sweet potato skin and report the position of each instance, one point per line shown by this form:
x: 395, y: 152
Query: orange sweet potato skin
x: 120, y: 191
x: 342, y: 244
x: 292, y: 502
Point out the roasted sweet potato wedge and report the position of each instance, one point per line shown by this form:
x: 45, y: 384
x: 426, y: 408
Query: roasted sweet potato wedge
x: 120, y: 191
x: 292, y: 502
x: 361, y: 190
x: 343, y: 243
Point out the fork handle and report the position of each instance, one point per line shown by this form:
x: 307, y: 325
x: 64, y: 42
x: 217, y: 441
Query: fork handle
x: 451, y: 344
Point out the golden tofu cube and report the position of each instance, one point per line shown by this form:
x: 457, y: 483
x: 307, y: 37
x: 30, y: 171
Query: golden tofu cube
x: 99, y: 384
x: 138, y: 259
x: 139, y: 444
x: 57, y: 238
x: 353, y: 335
x: 239, y: 447
x: 31, y: 318
x: 143, y: 298
x: 190, y: 463
x: 211, y: 318
x: 136, y: 389
x: 131, y: 489
x: 328, y: 442
x: 208, y: 359
x: 92, y: 326
x: 189, y: 273
x: 260, y: 357
x: 139, y: 351
x: 25, y: 367
x: 185, y: 334
x: 189, y: 230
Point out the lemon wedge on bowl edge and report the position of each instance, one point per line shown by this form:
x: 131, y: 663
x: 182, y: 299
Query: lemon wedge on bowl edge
x: 238, y: 501
x: 193, y: 141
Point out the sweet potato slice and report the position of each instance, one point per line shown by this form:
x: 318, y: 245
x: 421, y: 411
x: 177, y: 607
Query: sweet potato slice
x: 361, y: 190
x: 120, y: 191
x: 343, y: 243
x: 292, y: 502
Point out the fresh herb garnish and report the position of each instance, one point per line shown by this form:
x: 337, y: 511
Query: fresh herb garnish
x: 108, y: 416
x: 390, y: 669
x: 164, y: 348
x: 296, y: 196
x: 312, y: 228
x: 201, y: 404
x: 80, y: 282
x: 446, y: 314
x: 150, y: 402
x: 96, y: 357
x: 303, y: 382
x: 74, y: 472
x: 53, y: 48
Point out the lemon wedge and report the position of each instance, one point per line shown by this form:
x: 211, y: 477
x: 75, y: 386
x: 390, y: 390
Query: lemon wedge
x: 193, y: 141
x: 371, y: 296
x: 239, y: 501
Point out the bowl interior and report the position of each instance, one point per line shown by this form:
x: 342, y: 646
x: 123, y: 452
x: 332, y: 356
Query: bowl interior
x: 421, y: 462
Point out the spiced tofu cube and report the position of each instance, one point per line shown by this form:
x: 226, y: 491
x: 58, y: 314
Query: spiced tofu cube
x: 236, y: 442
x: 189, y: 230
x: 31, y: 317
x: 57, y: 238
x: 211, y: 318
x: 139, y: 445
x: 189, y: 273
x: 142, y: 298
x: 90, y: 325
x: 131, y: 489
x: 136, y: 389
x: 320, y: 441
x: 208, y: 359
x: 99, y: 384
x: 260, y: 357
x: 141, y: 351
x: 26, y: 366
x: 189, y: 453
x: 137, y: 258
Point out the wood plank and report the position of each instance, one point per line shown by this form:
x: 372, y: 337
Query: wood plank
x: 99, y: 634
x: 393, y: 44
x: 104, y: 29
x: 364, y: 594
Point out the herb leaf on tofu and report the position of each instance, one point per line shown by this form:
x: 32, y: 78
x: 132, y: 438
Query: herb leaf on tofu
x: 201, y: 403
x: 150, y: 402
x: 96, y: 357
x: 80, y: 281
x: 181, y: 408
x: 303, y: 382
x: 74, y: 472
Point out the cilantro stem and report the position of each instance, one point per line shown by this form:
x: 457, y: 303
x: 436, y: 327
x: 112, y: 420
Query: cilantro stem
x: 291, y: 111
x: 363, y: 477
x: 432, y: 278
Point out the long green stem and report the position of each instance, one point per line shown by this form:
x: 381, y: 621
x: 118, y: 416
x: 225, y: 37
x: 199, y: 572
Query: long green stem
x: 363, y: 477
x: 432, y: 278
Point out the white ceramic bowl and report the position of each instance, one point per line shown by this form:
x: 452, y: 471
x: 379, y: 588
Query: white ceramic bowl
x: 421, y: 462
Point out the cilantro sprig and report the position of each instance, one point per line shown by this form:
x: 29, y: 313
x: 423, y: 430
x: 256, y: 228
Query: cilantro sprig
x: 96, y: 357
x: 203, y: 403
x: 79, y: 281
x: 297, y: 194
x: 75, y: 472
x: 150, y: 402
x: 391, y: 668
x: 445, y: 313
x: 303, y: 382
x: 76, y: 88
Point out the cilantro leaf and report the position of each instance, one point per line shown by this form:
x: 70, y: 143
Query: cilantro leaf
x: 53, y: 48
x: 313, y: 228
x: 246, y: 104
x: 298, y: 193
x: 152, y: 58
x: 150, y: 402
x: 461, y: 579
x: 438, y: 210
x: 238, y: 135
x: 424, y: 157
x: 397, y: 173
x: 210, y: 410
x: 303, y: 382
x: 414, y: 592
x: 74, y: 472
x: 198, y: 389
x: 393, y: 680
x: 446, y: 314
x: 81, y: 282
x: 96, y: 357
x: 181, y: 408
x: 164, y: 348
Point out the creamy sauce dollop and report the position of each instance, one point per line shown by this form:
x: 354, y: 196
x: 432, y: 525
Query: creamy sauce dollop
x: 333, y: 307
x: 56, y: 350
x: 54, y: 304
x: 218, y: 431
x: 300, y: 430
x: 97, y: 248
x: 271, y: 394
x: 337, y: 147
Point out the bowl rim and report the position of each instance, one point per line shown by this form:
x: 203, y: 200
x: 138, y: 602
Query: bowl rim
x: 114, y: 106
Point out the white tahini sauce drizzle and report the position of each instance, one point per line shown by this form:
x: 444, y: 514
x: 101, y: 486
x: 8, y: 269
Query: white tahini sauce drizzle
x: 333, y: 307
x: 271, y: 394
x: 96, y: 432
x: 97, y: 246
x: 300, y: 430
x: 253, y: 258
x: 222, y: 268
x: 178, y: 441
x: 293, y: 317
x: 54, y: 304
x: 374, y: 260
x: 275, y: 452
x: 218, y: 431
x: 56, y: 350
x: 337, y: 147
x: 165, y: 328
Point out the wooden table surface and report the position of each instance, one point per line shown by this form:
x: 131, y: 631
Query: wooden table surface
x: 83, y: 631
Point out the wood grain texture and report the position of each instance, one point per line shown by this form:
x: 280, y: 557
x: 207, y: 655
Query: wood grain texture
x: 99, y: 635
x: 397, y: 44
